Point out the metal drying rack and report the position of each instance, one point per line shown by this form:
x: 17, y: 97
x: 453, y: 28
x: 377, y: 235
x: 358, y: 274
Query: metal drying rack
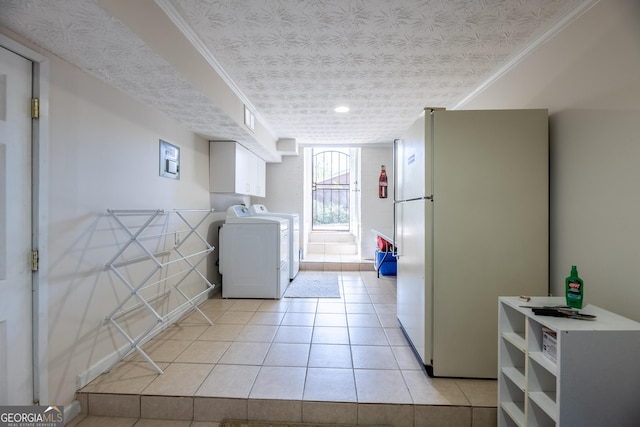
x: 174, y: 247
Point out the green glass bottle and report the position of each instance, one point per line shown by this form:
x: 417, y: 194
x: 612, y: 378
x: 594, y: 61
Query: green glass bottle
x: 575, y: 289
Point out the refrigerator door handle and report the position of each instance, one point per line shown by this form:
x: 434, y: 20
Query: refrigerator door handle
x: 395, y: 169
x: 395, y: 201
x: 396, y: 253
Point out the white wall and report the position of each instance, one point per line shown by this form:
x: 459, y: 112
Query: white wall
x: 104, y: 153
x: 589, y: 78
x: 376, y: 213
x: 285, y: 186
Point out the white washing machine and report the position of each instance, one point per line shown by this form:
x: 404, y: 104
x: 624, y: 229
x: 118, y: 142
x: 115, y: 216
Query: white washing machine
x: 294, y: 235
x: 254, y: 255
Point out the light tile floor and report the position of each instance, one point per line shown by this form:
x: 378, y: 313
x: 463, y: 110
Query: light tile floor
x: 311, y: 350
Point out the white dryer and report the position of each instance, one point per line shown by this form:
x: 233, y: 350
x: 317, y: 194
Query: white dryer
x: 294, y: 235
x: 254, y: 255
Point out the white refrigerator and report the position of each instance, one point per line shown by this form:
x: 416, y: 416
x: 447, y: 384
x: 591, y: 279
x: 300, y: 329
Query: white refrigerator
x: 471, y: 224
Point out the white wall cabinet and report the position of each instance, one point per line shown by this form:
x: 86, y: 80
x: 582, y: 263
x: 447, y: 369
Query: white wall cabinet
x: 235, y: 169
x: 593, y: 382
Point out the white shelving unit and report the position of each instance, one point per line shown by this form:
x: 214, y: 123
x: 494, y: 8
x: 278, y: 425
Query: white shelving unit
x: 594, y: 381
x: 159, y: 264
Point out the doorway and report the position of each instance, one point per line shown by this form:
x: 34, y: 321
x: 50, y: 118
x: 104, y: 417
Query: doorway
x: 332, y: 204
x: 330, y: 188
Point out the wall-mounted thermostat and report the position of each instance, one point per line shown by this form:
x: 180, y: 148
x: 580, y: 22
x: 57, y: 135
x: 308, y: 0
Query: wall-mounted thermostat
x: 169, y: 160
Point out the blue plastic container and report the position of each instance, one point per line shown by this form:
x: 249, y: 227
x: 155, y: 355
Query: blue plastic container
x: 386, y: 263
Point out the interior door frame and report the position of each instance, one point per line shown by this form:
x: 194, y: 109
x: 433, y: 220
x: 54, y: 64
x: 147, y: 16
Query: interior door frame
x: 39, y: 215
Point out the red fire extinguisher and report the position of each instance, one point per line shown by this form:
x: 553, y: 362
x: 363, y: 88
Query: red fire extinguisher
x: 382, y: 184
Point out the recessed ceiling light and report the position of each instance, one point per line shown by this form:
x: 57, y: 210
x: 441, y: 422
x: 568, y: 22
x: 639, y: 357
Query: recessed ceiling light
x: 342, y: 109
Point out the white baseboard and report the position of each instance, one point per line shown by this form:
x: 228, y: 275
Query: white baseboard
x: 71, y: 411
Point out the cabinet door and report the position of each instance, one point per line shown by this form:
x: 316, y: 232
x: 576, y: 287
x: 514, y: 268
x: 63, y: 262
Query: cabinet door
x: 245, y: 170
x: 261, y: 178
x: 222, y: 167
x: 235, y: 169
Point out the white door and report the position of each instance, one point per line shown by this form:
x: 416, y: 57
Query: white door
x: 15, y: 230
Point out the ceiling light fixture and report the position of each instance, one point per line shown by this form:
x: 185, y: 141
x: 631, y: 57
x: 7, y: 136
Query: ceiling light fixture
x: 342, y: 109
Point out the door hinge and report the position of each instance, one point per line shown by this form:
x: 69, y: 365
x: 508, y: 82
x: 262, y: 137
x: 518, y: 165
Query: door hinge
x: 35, y: 108
x: 35, y: 260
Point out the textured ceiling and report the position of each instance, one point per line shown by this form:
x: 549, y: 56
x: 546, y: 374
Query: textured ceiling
x: 294, y: 61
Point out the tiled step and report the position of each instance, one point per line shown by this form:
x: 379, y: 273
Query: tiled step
x: 336, y: 266
x: 333, y: 243
x: 331, y: 237
x: 332, y: 248
x: 119, y: 409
